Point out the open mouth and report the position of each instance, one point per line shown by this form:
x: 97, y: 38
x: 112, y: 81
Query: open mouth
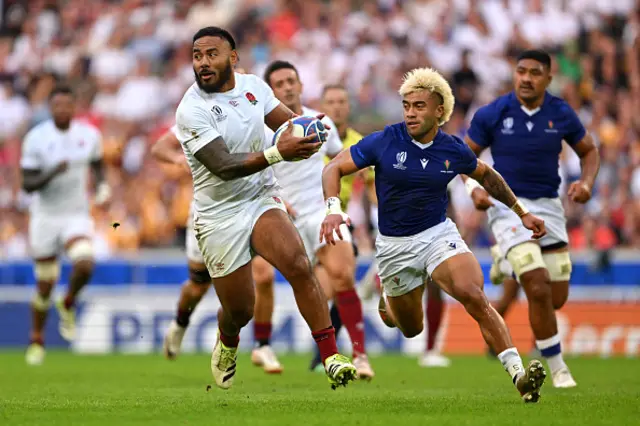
x: 207, y: 75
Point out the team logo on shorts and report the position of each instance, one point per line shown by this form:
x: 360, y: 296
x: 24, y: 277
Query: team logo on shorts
x: 277, y: 200
x: 219, y: 266
x: 401, y: 157
x: 396, y: 280
x: 452, y: 246
x: 251, y: 98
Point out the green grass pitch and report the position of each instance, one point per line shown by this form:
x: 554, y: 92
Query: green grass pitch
x: 148, y: 390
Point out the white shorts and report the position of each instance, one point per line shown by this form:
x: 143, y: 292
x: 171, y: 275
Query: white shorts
x: 49, y: 234
x: 404, y: 263
x: 309, y: 230
x: 226, y: 244
x: 508, y: 230
x: 191, y: 245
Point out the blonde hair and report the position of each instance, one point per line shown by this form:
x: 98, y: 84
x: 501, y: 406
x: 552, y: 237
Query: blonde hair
x: 432, y: 81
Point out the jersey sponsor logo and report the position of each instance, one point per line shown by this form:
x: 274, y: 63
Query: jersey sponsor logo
x: 401, y: 157
x: 424, y: 163
x: 529, y: 125
x: 507, y: 126
x: 251, y: 98
x: 551, y: 129
x: 234, y: 103
x: 218, y: 113
x: 447, y: 164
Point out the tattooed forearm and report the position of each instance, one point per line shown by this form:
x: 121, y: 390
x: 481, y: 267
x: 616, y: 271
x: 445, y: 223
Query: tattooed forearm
x: 216, y: 157
x: 496, y: 186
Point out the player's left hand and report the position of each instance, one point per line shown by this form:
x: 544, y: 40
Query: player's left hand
x: 331, y: 224
x: 535, y: 224
x: 579, y: 192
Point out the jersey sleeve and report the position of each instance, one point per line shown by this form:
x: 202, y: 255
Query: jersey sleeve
x: 575, y: 130
x: 334, y: 144
x: 195, y: 127
x: 480, y: 129
x: 468, y: 160
x: 270, y: 101
x: 367, y: 152
x: 31, y: 158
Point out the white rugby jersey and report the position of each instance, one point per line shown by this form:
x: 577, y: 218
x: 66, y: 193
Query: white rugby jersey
x: 44, y: 148
x: 238, y: 117
x: 301, y: 181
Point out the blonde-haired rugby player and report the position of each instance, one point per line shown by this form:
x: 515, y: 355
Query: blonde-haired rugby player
x: 414, y: 161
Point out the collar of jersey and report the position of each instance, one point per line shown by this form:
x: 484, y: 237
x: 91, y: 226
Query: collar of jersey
x: 529, y: 112
x: 409, y: 139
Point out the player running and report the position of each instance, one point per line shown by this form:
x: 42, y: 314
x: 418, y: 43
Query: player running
x: 56, y: 156
x: 335, y: 103
x: 525, y: 130
x: 238, y: 209
x: 414, y: 163
x: 302, y: 188
x: 168, y: 149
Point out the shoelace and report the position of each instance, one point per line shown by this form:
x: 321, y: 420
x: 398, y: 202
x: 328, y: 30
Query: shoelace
x: 227, y: 359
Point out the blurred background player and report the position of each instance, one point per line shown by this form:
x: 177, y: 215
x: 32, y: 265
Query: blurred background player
x: 525, y: 129
x: 415, y: 161
x: 335, y: 103
x: 167, y: 149
x: 238, y: 209
x: 301, y: 184
x: 56, y: 157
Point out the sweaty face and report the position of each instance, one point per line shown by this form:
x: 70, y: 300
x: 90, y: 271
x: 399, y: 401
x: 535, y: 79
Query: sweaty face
x: 287, y: 87
x: 335, y: 103
x: 531, y: 79
x: 213, y: 62
x: 422, y: 110
x: 62, y: 109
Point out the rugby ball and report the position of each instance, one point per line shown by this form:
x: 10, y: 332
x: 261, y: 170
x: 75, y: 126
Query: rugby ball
x: 302, y: 127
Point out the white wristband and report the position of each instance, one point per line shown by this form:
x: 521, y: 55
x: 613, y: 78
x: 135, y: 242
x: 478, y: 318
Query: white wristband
x: 333, y: 206
x: 272, y: 155
x: 103, y: 193
x: 471, y: 184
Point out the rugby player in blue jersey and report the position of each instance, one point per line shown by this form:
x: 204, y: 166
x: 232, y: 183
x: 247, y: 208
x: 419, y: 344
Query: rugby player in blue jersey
x: 525, y: 130
x: 414, y: 161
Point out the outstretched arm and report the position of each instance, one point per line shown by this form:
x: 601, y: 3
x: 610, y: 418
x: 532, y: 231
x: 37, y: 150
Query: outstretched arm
x: 496, y: 186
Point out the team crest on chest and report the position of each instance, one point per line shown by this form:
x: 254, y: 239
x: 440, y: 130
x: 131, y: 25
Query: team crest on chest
x: 251, y: 98
x: 401, y: 157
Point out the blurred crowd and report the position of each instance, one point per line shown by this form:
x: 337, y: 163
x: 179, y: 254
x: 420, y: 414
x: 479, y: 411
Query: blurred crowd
x: 129, y: 62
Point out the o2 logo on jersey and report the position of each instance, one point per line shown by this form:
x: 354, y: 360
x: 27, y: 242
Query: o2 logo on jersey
x: 401, y: 157
x: 507, y: 126
x: 218, y: 113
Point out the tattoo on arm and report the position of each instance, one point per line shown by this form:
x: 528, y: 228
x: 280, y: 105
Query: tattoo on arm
x: 216, y: 157
x: 496, y: 186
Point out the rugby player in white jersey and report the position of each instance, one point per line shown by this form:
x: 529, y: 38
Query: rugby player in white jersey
x: 168, y: 150
x: 238, y: 209
x: 56, y: 157
x: 301, y: 184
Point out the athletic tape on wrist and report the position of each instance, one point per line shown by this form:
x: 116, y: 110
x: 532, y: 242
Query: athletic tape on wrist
x: 471, y: 184
x: 333, y: 206
x: 272, y: 155
x: 519, y: 209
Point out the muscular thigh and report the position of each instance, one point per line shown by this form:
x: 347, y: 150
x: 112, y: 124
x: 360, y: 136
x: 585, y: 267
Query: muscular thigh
x: 276, y: 239
x: 235, y: 290
x: 457, y: 274
x: 339, y: 260
x: 407, y: 308
x: 45, y: 236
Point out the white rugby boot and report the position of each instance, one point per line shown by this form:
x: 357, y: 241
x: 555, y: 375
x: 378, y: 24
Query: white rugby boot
x: 265, y: 357
x: 35, y: 354
x: 67, y: 325
x: 563, y: 379
x: 173, y: 340
x: 223, y: 364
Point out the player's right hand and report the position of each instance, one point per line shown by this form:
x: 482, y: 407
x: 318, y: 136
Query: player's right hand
x: 291, y: 147
x: 481, y: 199
x: 535, y: 224
x: 331, y: 224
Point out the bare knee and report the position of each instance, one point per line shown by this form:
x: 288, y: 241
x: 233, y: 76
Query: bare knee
x: 472, y: 297
x: 537, y: 285
x: 341, y: 277
x: 264, y: 276
x: 241, y: 315
x: 198, y: 290
x: 298, y: 269
x: 412, y: 329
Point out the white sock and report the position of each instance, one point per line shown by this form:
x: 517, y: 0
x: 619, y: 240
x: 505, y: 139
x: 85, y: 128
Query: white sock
x: 551, y: 350
x: 512, y: 363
